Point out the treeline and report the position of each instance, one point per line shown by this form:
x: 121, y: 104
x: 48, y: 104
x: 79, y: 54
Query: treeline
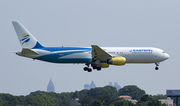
x: 100, y: 96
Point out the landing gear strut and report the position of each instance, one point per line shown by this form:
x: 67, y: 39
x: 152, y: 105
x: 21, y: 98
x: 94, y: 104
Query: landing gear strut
x: 95, y: 67
x: 157, y: 64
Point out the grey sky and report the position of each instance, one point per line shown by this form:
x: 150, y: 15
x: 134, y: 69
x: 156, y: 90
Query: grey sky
x: 107, y: 23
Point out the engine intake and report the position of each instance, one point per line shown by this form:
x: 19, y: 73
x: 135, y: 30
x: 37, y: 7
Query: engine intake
x: 117, y: 61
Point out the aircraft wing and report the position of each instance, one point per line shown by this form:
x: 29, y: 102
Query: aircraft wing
x: 99, y: 53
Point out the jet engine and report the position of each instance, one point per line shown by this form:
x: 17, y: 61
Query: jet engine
x: 100, y: 65
x: 104, y: 65
x: 117, y: 61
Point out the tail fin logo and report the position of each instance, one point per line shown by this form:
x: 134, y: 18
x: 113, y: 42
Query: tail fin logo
x: 24, y: 38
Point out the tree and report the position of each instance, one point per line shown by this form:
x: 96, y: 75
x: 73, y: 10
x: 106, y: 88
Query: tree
x: 122, y: 103
x: 82, y: 93
x: 112, y: 91
x: 104, y: 99
x: 96, y: 103
x: 5, y: 104
x: 75, y: 95
x: 147, y: 100
x: 85, y: 101
x: 94, y: 92
x: 159, y: 96
x: 102, y: 96
x: 131, y: 90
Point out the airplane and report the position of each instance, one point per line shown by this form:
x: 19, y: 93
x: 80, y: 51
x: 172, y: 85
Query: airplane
x: 94, y: 56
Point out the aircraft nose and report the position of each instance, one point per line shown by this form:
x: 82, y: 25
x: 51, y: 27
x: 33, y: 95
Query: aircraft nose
x: 166, y: 56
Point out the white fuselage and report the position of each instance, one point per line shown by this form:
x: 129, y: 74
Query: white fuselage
x: 139, y: 54
x: 81, y: 55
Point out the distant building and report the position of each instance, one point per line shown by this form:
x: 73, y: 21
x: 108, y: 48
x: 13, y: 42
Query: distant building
x: 168, y: 101
x: 129, y: 98
x: 92, y: 85
x: 75, y: 102
x: 50, y: 87
x: 110, y: 84
x: 86, y: 86
x: 115, y: 85
x: 125, y: 97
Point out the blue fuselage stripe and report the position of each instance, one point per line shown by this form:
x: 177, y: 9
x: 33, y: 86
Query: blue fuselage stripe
x: 60, y: 56
x: 65, y: 48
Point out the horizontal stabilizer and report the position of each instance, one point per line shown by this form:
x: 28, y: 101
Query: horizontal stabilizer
x: 28, y: 51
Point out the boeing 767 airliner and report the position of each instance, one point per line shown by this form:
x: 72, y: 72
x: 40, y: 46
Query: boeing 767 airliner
x: 94, y: 56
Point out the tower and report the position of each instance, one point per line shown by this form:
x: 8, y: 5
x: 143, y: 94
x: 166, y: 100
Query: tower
x: 50, y: 87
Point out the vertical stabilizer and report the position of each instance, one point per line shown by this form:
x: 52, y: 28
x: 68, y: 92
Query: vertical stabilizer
x: 26, y: 39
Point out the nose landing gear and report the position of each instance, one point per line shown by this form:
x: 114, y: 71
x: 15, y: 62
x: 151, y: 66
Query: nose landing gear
x: 157, y: 64
x: 156, y: 68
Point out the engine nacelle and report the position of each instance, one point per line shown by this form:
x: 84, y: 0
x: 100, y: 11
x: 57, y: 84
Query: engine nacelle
x: 103, y: 65
x: 117, y: 61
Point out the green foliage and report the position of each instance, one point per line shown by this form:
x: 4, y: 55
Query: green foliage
x: 82, y: 93
x: 86, y: 100
x: 94, y: 92
x: 102, y: 96
x: 131, y: 90
x: 38, y: 98
x: 96, y: 103
x: 159, y: 96
x: 75, y: 95
x: 112, y: 91
x: 5, y: 104
x: 104, y: 99
x: 122, y: 103
x: 7, y: 99
x: 147, y: 100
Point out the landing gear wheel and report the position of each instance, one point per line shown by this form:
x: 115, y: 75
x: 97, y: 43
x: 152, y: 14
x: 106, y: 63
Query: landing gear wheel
x: 89, y: 70
x: 86, y: 68
x: 156, y: 68
x: 98, y: 68
x: 157, y: 64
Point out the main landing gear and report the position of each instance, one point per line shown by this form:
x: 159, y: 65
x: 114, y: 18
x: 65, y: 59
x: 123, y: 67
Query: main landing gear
x: 96, y: 68
x: 87, y: 69
x: 93, y: 66
x: 157, y: 64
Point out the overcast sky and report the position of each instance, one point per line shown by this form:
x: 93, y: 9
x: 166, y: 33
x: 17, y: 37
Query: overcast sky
x: 107, y: 23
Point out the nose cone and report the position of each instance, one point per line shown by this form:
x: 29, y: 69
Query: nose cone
x: 166, y: 56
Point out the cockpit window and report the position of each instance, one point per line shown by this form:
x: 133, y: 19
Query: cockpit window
x: 163, y: 52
